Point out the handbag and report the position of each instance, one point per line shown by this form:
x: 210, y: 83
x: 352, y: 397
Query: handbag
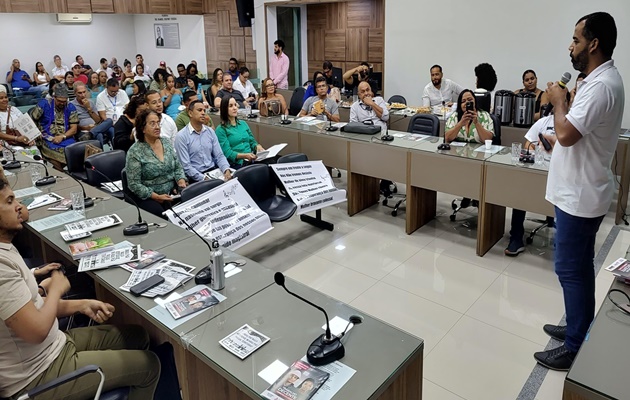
x: 11, y: 131
x: 361, y: 128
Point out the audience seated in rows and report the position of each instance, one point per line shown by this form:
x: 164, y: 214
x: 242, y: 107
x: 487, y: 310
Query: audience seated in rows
x: 245, y: 87
x: 270, y: 102
x: 154, y: 173
x: 369, y: 108
x: 235, y: 137
x: 440, y: 91
x: 321, y: 106
x: 89, y: 119
x: 198, y: 147
x: 228, y: 90
x: 172, y: 97
x: 123, y: 128
x: 58, y: 121
x: 183, y: 118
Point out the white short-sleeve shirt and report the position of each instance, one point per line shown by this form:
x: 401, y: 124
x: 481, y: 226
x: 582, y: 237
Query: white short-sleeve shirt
x: 545, y: 126
x: 580, y: 181
x: 113, y: 106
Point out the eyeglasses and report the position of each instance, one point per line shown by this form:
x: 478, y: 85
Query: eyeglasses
x: 271, y: 85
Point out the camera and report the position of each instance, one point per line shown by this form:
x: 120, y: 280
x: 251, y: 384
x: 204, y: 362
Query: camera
x: 470, y: 106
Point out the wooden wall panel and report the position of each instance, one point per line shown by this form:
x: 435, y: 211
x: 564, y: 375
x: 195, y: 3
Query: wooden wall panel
x: 237, y: 44
x: 209, y: 6
x: 228, y: 5
x: 335, y: 44
x: 102, y: 6
x: 250, y: 53
x: 357, y: 44
x: 212, y: 53
x: 211, y: 25
x: 24, y: 6
x: 359, y: 14
x: 79, y: 6
x: 162, y: 6
x: 192, y: 7
x: 224, y: 48
x: 235, y: 30
x: 349, y: 33
x: 223, y: 20
x: 53, y: 6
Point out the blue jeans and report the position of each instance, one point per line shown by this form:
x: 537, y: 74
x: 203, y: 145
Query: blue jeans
x: 104, y: 130
x: 575, y: 250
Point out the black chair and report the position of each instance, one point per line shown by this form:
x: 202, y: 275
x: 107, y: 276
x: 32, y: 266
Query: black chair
x: 397, y: 99
x: 109, y: 164
x: 258, y: 182
x: 75, y: 158
x: 198, y: 188
x: 296, y: 103
x: 496, y: 140
x: 116, y: 394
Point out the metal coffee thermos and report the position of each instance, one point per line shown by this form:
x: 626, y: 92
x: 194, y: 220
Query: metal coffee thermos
x: 504, y: 106
x: 524, y: 103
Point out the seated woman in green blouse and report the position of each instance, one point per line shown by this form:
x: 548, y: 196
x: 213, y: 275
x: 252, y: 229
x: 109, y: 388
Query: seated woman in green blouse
x: 468, y: 124
x: 153, y: 170
x: 235, y: 137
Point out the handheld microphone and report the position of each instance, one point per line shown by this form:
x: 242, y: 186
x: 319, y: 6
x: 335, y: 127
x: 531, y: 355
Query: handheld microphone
x: 326, y: 348
x: 566, y: 77
x: 87, y: 201
x: 544, y: 142
x: 140, y: 227
x: 204, y: 276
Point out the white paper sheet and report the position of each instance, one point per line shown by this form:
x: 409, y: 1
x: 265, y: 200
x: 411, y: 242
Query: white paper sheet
x: 29, y: 191
x: 55, y: 220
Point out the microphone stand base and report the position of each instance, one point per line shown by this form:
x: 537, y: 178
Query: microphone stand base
x: 285, y: 122
x: 88, y: 202
x: 252, y: 116
x: 139, y: 228
x: 11, y: 165
x: 332, y: 129
x: 444, y: 146
x: 322, y: 352
x: 204, y: 277
x: 47, y: 180
x: 387, y: 138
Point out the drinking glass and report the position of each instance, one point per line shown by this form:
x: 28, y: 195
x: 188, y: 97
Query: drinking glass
x: 78, y: 203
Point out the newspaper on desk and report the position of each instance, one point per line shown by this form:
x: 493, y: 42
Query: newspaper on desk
x: 108, y: 259
x: 217, y: 174
x: 174, y: 277
x: 93, y: 224
x: 112, y: 187
x: 28, y: 191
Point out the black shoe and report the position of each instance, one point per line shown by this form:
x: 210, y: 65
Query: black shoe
x: 465, y: 203
x: 558, y: 359
x: 515, y: 247
x: 556, y: 331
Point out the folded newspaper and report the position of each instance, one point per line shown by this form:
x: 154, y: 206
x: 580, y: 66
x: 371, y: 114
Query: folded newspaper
x: 112, y: 187
x: 110, y: 258
x: 92, y: 224
x: 174, y: 277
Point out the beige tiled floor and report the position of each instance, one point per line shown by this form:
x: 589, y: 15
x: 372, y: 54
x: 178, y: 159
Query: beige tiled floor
x: 481, y: 317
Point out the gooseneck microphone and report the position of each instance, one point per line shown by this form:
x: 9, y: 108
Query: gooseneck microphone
x: 47, y: 180
x: 87, y: 201
x: 326, y: 348
x: 140, y: 227
x: 547, y: 108
x: 204, y: 276
x: 10, y: 164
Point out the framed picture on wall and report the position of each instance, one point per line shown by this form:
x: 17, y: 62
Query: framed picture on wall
x: 166, y: 36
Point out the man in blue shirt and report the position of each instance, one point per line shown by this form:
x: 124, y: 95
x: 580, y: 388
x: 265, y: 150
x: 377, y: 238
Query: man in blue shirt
x: 198, y: 147
x: 20, y: 81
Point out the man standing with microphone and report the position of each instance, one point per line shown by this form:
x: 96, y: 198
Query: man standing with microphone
x: 580, y: 182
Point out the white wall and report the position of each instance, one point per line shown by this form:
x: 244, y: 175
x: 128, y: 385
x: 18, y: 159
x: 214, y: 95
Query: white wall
x: 191, y: 38
x: 38, y: 37
x: 464, y: 34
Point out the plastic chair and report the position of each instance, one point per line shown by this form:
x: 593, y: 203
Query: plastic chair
x: 258, y: 182
x: 397, y: 99
x: 296, y: 103
x: 194, y: 190
x: 116, y: 394
x: 75, y: 158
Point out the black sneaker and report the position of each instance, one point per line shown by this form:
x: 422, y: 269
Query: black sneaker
x: 515, y: 247
x: 558, y: 359
x: 556, y: 331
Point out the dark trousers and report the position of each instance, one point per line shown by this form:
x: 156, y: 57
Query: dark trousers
x: 517, y: 228
x: 575, y: 251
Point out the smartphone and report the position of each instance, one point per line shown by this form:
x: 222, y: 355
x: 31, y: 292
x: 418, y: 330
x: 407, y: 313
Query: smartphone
x: 146, y: 284
x: 470, y: 106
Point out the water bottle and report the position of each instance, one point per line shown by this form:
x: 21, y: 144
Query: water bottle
x: 218, y: 266
x: 539, y: 155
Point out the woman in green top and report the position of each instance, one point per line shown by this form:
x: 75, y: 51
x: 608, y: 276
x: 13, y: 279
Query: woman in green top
x: 153, y: 170
x: 235, y: 137
x: 468, y: 125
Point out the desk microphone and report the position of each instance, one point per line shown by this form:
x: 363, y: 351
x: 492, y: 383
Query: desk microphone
x: 326, y: 348
x: 204, y: 276
x: 87, y: 201
x: 330, y: 127
x: 47, y: 180
x: 10, y: 164
x: 140, y: 227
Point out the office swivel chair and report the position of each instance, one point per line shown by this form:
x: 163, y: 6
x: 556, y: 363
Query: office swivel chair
x: 258, y: 181
x: 75, y: 158
x: 397, y: 99
x: 465, y: 203
x: 109, y: 164
x: 296, y: 103
x: 198, y: 188
x: 426, y: 124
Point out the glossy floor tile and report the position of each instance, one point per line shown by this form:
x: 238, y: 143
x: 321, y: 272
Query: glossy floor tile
x: 445, y: 280
x: 519, y: 307
x: 552, y: 387
x: 334, y: 280
x: 431, y: 391
x: 420, y: 317
x: 479, y: 362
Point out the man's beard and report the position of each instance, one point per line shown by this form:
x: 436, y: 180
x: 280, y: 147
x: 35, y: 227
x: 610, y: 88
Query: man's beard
x: 580, y: 61
x: 438, y: 83
x: 276, y: 52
